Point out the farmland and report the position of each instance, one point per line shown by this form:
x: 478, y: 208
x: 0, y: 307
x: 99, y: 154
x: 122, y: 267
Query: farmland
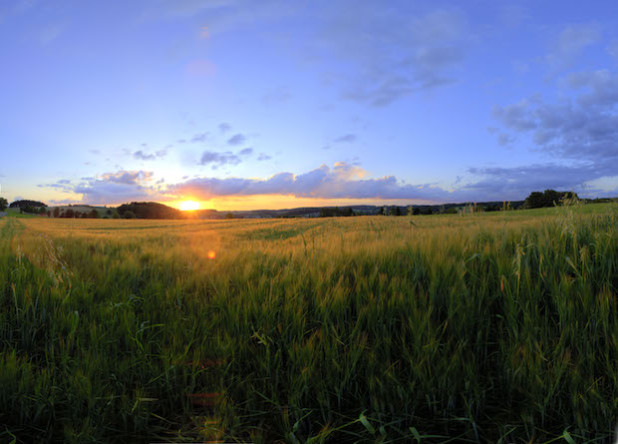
x: 476, y: 327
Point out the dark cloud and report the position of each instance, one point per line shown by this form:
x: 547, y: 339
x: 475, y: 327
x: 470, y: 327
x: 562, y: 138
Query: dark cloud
x: 237, y: 139
x: 144, y: 156
x: 583, y: 127
x: 514, y: 183
x: 216, y: 159
x: 348, y: 138
x: 505, y: 139
x: 219, y: 159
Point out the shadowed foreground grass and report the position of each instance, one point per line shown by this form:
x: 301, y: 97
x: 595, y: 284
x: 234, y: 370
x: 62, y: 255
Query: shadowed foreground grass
x: 494, y: 327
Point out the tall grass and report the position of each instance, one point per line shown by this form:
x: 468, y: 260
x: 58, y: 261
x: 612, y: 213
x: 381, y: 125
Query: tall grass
x: 479, y: 328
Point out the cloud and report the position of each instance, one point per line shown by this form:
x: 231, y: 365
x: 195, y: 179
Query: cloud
x: 127, y: 177
x: 216, y: 159
x: 141, y: 155
x: 219, y: 159
x: 347, y: 181
x: 237, y: 139
x: 497, y: 183
x: 391, y: 54
x: 505, y: 139
x: 383, y: 53
x: 348, y: 138
x: 200, y: 137
x: 120, y: 186
x: 582, y: 126
x: 342, y: 181
x: 224, y: 127
x: 263, y: 156
x: 570, y: 43
x: 62, y: 185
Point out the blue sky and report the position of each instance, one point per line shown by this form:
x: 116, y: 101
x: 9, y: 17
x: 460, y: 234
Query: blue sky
x: 246, y: 104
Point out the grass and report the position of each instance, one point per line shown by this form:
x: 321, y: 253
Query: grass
x: 14, y: 212
x: 497, y: 327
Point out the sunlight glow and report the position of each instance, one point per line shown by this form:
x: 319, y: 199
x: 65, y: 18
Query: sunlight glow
x: 189, y: 205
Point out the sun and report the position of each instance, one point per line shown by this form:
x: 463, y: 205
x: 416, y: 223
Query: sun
x: 189, y: 205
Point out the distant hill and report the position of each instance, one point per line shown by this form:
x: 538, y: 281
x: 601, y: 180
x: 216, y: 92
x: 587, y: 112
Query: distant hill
x: 356, y: 210
x: 148, y: 210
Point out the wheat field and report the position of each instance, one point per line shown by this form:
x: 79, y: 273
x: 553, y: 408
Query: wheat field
x: 495, y: 327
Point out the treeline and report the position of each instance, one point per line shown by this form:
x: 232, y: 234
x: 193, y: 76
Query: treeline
x: 29, y: 206
x: 336, y: 212
x: 549, y: 198
x: 148, y: 210
x: 70, y: 213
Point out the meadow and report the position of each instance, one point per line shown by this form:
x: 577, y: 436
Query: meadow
x: 488, y: 327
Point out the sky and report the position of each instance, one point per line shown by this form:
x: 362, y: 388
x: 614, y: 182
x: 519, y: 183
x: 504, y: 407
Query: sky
x: 244, y: 104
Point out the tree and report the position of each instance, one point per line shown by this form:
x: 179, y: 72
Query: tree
x: 128, y: 214
x: 56, y: 212
x: 3, y: 204
x: 535, y: 200
x: 549, y: 198
x: 93, y: 214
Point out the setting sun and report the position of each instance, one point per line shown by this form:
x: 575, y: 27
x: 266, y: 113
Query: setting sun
x: 189, y: 205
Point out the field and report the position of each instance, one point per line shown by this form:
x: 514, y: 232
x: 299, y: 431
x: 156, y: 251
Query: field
x: 496, y: 327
